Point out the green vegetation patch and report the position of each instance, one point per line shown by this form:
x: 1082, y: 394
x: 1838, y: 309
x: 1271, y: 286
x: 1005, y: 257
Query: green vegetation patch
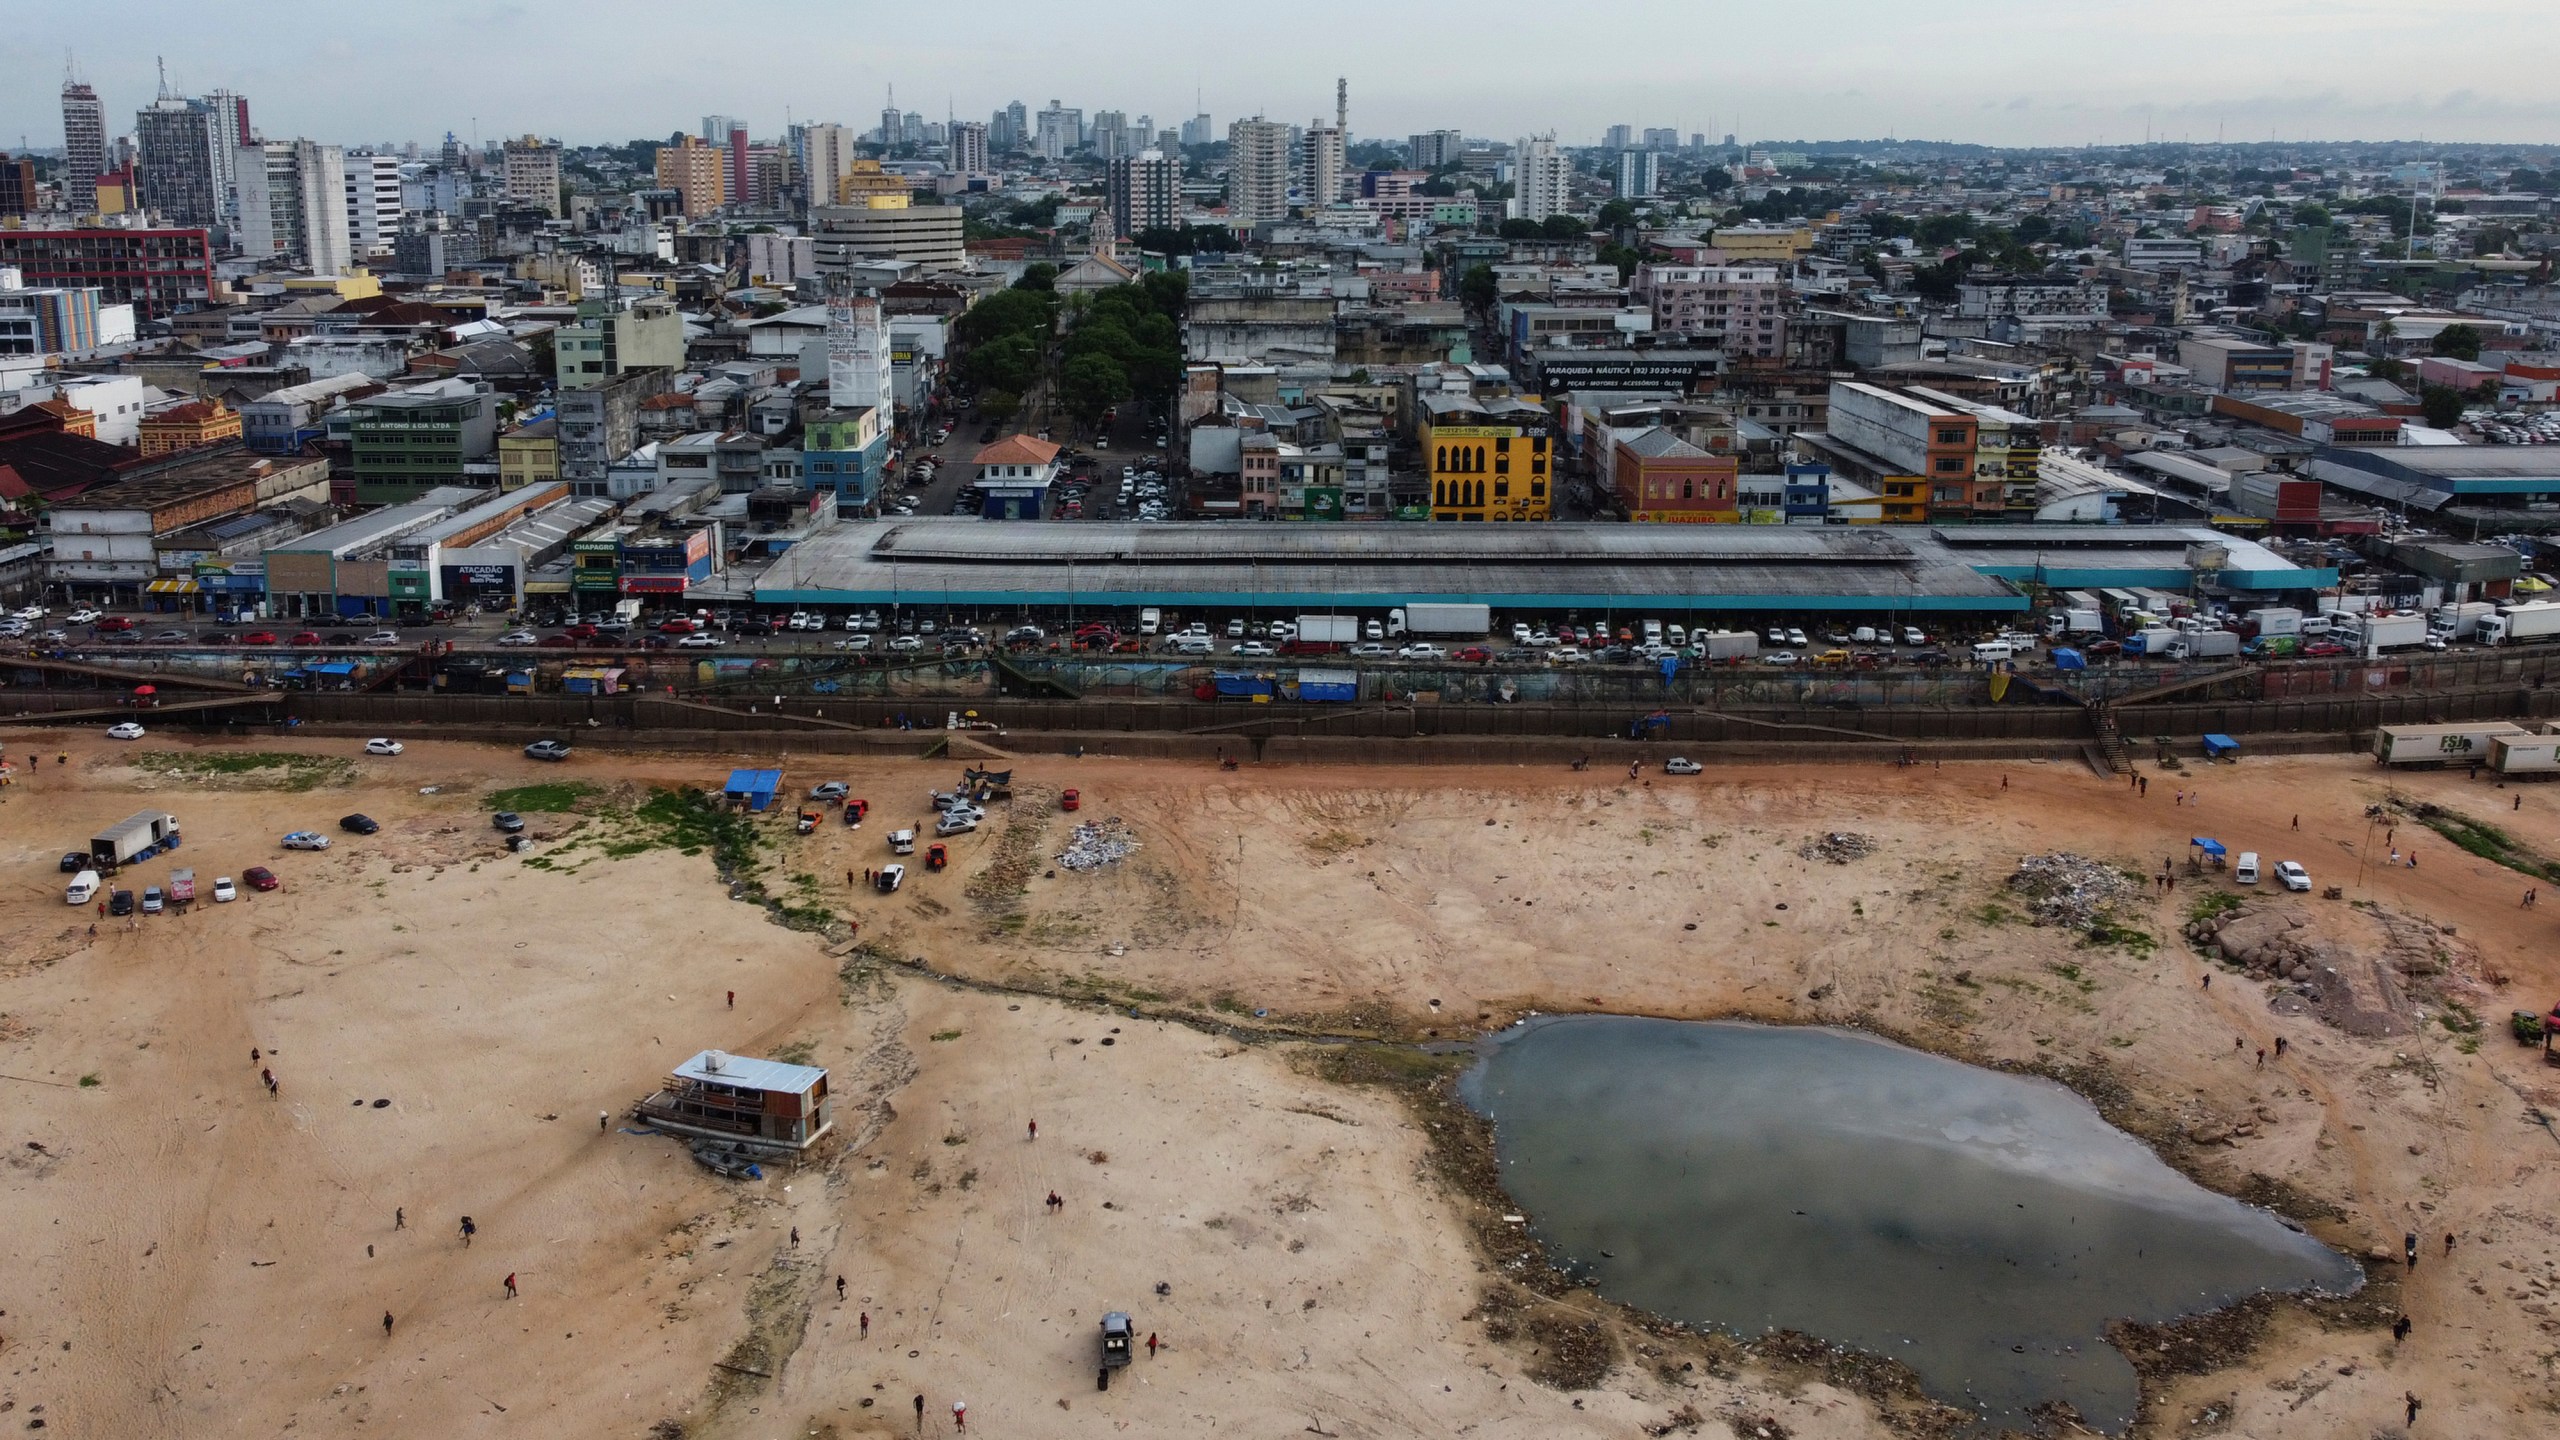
x: 248, y: 769
x: 2488, y: 842
x: 556, y: 798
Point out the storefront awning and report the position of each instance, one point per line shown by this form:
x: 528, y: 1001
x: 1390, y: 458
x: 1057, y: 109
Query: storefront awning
x: 171, y: 587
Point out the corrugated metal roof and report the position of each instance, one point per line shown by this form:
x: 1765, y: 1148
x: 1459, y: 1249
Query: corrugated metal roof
x: 750, y: 1074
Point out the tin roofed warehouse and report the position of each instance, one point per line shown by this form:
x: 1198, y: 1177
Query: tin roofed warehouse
x: 1948, y: 571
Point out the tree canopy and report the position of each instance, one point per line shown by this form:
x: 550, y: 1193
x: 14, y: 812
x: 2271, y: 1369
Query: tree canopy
x: 2458, y: 342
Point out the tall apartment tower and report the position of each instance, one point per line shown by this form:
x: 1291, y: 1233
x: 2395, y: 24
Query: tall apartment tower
x: 1435, y: 148
x: 826, y: 157
x: 533, y: 174
x: 293, y: 204
x: 179, y: 177
x: 1542, y: 179
x: 1639, y: 174
x: 1257, y: 171
x: 373, y: 204
x: 229, y: 117
x: 84, y: 146
x: 1145, y: 192
x: 969, y: 148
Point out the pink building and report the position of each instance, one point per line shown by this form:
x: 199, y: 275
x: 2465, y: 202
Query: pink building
x: 1732, y: 307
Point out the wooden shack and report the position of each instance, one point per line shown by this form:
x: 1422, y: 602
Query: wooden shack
x: 762, y: 1104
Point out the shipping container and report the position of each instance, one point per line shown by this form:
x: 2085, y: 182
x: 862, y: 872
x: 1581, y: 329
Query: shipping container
x: 2525, y: 754
x: 2440, y: 744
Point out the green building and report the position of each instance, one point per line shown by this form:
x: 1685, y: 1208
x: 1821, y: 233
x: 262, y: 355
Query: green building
x: 406, y: 442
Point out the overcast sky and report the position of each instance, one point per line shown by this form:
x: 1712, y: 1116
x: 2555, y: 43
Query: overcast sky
x: 2012, y: 72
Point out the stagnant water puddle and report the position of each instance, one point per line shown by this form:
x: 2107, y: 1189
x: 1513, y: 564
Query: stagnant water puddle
x: 1981, y: 1228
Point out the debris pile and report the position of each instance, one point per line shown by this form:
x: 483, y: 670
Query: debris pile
x: 1839, y: 847
x: 2262, y: 940
x: 2071, y: 890
x: 1097, y: 843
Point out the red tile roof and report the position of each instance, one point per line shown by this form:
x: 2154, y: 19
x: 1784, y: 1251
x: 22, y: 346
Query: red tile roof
x: 1018, y: 450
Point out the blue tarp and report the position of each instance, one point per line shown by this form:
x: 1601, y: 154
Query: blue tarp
x: 2066, y: 658
x: 2218, y: 746
x: 2208, y: 846
x: 756, y: 787
x: 335, y: 667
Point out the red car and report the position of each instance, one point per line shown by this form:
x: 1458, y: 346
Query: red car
x: 580, y: 632
x: 558, y: 642
x: 259, y: 877
x: 259, y: 637
x: 2324, y: 647
x: 114, y: 623
x: 677, y: 626
x: 304, y: 638
x: 1475, y: 654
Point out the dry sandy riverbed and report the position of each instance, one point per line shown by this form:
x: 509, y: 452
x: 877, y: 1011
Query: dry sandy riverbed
x: 187, y: 1256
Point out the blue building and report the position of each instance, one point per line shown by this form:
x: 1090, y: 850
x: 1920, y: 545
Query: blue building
x: 845, y: 453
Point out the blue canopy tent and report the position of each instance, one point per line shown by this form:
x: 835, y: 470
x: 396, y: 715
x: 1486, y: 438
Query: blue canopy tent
x: 2220, y: 747
x: 2212, y: 848
x: 2066, y: 658
x: 754, y: 788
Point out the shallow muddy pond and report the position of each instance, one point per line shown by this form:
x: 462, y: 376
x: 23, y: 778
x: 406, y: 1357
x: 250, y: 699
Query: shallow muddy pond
x: 1981, y: 1228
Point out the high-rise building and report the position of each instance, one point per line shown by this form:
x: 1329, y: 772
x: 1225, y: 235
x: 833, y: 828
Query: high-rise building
x: 1639, y: 174
x: 1145, y: 192
x: 892, y: 122
x: 1662, y: 139
x: 1017, y: 126
x: 533, y: 174
x: 1110, y: 129
x: 826, y: 157
x: 293, y: 204
x: 17, y: 186
x: 373, y: 204
x: 229, y: 116
x: 698, y: 173
x: 911, y: 129
x: 158, y: 272
x: 1324, y: 164
x: 968, y: 148
x: 84, y: 146
x: 1060, y: 132
x: 742, y: 179
x: 1257, y: 171
x: 1618, y: 138
x: 1541, y: 179
x: 1435, y: 148
x: 1199, y: 130
x: 179, y: 177
x: 715, y: 130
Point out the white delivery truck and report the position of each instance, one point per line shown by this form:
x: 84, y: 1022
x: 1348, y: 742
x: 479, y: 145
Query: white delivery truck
x: 1728, y: 644
x: 2205, y: 645
x: 2374, y: 634
x: 2462, y: 621
x: 1455, y: 621
x: 2532, y: 620
x: 2272, y: 621
x: 1315, y: 631
x: 2522, y: 754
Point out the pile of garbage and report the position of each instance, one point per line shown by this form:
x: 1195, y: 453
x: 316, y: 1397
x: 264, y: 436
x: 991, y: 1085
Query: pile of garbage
x: 1839, y: 847
x: 1097, y: 843
x: 2071, y: 890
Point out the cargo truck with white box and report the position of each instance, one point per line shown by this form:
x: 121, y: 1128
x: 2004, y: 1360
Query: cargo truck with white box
x: 1453, y: 621
x: 2371, y: 635
x: 2532, y: 620
x: 2205, y: 645
x: 1728, y: 644
x: 2457, y: 744
x: 2526, y: 754
x: 2462, y: 621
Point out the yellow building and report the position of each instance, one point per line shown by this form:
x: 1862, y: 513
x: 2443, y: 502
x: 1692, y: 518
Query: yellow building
x: 698, y: 173
x: 869, y: 185
x: 1488, y: 459
x: 1785, y: 243
x: 529, y: 455
x: 357, y: 284
x: 187, y: 427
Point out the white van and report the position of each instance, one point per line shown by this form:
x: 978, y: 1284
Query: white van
x: 1653, y: 632
x: 2245, y: 869
x: 1991, y: 650
x: 82, y: 889
x: 1150, y: 621
x: 1187, y: 644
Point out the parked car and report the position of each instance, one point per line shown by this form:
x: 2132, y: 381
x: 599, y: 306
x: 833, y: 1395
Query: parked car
x: 1682, y: 765
x: 259, y: 877
x: 676, y: 626
x: 2291, y: 875
x: 359, y: 824
x: 381, y: 637
x: 224, y: 892
x: 259, y: 637
x: 830, y: 790
x: 1255, y: 650
x: 153, y: 902
x: 306, y: 840
x: 547, y: 750
x: 124, y: 731
x: 1778, y: 657
x: 1420, y: 651
x: 699, y: 642
x: 304, y: 637
x: 381, y: 747
x: 171, y: 637
x: 120, y: 903
x: 508, y: 822
x: 74, y: 861
x: 906, y: 643
x: 519, y: 637
x: 82, y: 616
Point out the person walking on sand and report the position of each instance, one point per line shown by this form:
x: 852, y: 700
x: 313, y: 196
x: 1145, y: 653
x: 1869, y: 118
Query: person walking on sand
x: 399, y: 1218
x: 2400, y: 1328
x: 511, y: 1284
x: 2448, y: 1242
x: 2297, y: 822
x: 386, y: 1324
x: 959, y: 1414
x: 919, y: 1414
x: 468, y: 1230
x: 2409, y: 1247
x: 274, y: 1092
x: 1035, y: 1130
x: 2412, y: 1397
x: 839, y: 1289
x: 2280, y: 1044
x: 2207, y: 982
x: 795, y: 1234
x: 733, y: 999
x: 1151, y: 1344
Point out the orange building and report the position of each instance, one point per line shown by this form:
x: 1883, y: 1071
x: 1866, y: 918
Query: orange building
x: 188, y: 427
x: 698, y: 173
x: 1664, y: 480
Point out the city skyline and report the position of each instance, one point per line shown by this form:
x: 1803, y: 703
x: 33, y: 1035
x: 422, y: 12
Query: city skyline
x: 1881, y: 71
